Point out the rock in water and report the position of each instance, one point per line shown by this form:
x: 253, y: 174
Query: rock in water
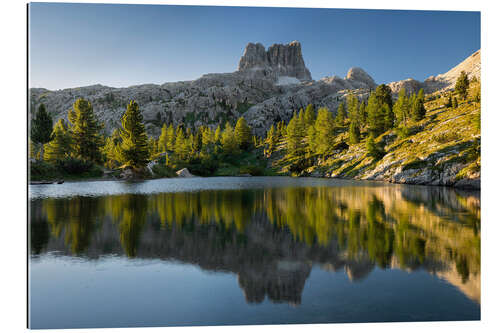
x: 184, y: 173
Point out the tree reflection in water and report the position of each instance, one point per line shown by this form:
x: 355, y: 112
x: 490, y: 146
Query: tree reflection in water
x: 272, y: 237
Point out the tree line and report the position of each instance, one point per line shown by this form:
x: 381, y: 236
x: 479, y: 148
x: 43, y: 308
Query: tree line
x: 83, y: 138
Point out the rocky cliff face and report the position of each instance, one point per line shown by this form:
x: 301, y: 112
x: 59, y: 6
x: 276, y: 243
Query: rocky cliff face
x: 279, y: 60
x: 268, y: 86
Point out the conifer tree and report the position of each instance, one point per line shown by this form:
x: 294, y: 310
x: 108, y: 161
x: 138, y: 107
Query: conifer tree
x: 134, y: 147
x: 401, y: 108
x: 353, y: 107
x: 85, y: 131
x: 271, y: 139
x: 375, y: 115
x: 454, y: 103
x: 243, y: 134
x: 388, y: 117
x: 324, y: 127
x: 112, y: 151
x: 311, y: 140
x: 41, y: 128
x: 383, y: 95
x: 294, y: 137
x: 170, y: 144
x: 354, y: 133
x: 372, y: 148
x: 181, y: 147
x: 208, y: 137
x: 418, y: 108
x: 228, y: 141
x: 462, y: 85
x: 309, y: 116
x: 340, y: 117
x: 217, y: 134
x: 162, y: 140
x: 60, y: 145
x: 362, y: 113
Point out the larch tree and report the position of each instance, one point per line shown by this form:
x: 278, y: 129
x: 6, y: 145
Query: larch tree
x: 41, y: 128
x: 134, y: 147
x: 85, y: 131
x: 324, y: 127
x: 228, y: 141
x: 309, y: 116
x: 294, y: 137
x: 60, y: 145
x: 243, y: 134
x: 162, y: 140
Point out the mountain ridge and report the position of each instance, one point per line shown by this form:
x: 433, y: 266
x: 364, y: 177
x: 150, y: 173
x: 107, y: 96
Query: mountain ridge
x: 267, y: 87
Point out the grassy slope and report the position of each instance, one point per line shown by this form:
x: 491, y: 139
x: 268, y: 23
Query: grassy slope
x: 441, y: 150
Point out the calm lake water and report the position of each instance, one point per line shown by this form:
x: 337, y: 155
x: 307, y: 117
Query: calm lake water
x: 256, y: 250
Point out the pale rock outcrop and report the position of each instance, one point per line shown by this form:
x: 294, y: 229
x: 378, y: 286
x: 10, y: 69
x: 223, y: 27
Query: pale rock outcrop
x: 184, y: 173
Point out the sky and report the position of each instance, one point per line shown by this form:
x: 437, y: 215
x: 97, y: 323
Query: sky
x: 73, y: 45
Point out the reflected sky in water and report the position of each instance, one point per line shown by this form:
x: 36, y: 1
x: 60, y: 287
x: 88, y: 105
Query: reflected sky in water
x: 257, y: 250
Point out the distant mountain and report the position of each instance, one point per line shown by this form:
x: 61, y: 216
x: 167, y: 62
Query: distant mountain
x: 268, y: 86
x: 446, y: 81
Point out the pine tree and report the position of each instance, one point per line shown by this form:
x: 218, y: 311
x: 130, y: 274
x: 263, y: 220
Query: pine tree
x: 372, y: 148
x: 418, y: 108
x: 353, y: 108
x: 375, y: 115
x: 340, y: 117
x: 454, y: 103
x: 134, y: 148
x: 388, y: 117
x: 243, y: 134
x: 383, y: 95
x: 309, y: 116
x: 401, y: 108
x: 41, y: 128
x: 354, y: 132
x: 324, y: 127
x: 228, y: 141
x: 60, y: 145
x: 85, y: 131
x: 362, y: 114
x: 462, y: 85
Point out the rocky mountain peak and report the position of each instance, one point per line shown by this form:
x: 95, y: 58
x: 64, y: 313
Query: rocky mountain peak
x: 358, y: 74
x: 277, y: 61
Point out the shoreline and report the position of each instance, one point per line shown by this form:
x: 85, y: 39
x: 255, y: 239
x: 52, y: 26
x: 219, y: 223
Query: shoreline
x: 55, y: 182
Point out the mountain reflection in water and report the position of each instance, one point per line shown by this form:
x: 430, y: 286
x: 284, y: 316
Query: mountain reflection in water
x: 272, y: 237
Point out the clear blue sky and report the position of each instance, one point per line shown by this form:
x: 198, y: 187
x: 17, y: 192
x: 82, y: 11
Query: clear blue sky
x: 75, y: 45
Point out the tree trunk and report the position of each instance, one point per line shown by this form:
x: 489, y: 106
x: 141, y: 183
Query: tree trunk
x: 41, y: 151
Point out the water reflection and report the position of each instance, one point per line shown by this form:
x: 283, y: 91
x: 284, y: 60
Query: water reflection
x: 272, y: 237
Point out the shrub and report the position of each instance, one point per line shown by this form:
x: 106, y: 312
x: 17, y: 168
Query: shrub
x: 253, y: 170
x: 74, y: 166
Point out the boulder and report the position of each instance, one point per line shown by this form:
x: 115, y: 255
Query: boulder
x: 184, y: 173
